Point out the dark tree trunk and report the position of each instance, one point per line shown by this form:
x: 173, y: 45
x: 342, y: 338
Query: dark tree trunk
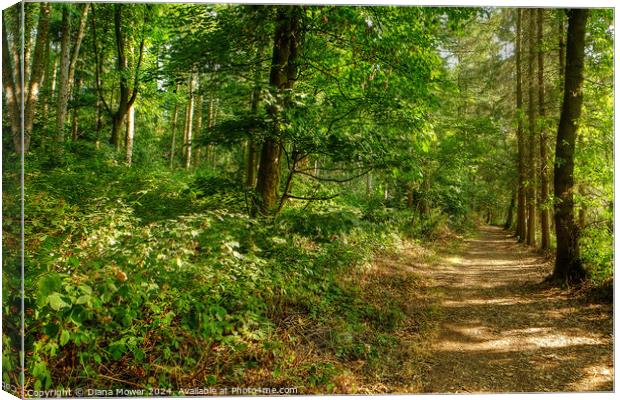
x: 521, y: 190
x: 282, y: 76
x: 532, y: 171
x: 127, y: 97
x: 568, y: 266
x: 544, y: 164
x: 509, y: 215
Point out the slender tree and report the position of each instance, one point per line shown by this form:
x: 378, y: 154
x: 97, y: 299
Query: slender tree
x: 544, y: 170
x: 175, y: 119
x: 189, y: 124
x: 521, y: 189
x: 532, y: 172
x: 126, y: 95
x: 568, y: 265
x: 68, y: 60
x: 129, y: 135
x: 11, y: 79
x: 39, y: 65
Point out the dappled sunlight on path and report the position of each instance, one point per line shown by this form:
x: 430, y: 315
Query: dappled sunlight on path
x: 504, y: 331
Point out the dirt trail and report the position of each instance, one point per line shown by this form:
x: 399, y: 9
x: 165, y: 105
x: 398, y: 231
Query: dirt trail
x: 504, y: 331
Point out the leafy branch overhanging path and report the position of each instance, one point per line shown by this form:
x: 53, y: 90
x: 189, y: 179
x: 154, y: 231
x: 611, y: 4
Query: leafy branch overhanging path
x: 504, y: 331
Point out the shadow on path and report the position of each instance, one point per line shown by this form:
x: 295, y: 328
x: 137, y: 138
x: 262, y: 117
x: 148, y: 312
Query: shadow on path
x: 504, y: 331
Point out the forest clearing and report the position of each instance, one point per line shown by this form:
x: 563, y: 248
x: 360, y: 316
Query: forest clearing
x: 230, y: 199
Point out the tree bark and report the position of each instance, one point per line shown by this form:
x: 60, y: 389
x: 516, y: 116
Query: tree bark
x: 521, y: 190
x: 509, y: 215
x: 76, y: 110
x: 175, y: 119
x: 282, y: 76
x: 189, y: 115
x: 568, y: 265
x: 68, y: 61
x: 11, y: 81
x: 130, y: 130
x: 197, y: 123
x: 545, y: 237
x: 532, y: 171
x: 126, y: 97
x: 36, y: 75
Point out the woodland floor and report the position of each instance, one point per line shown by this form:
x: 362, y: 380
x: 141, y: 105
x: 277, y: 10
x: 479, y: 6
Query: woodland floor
x: 503, y: 330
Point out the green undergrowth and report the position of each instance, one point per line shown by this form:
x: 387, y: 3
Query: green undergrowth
x: 139, y: 276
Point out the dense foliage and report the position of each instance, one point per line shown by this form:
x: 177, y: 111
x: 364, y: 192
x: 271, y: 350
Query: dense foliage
x: 203, y: 206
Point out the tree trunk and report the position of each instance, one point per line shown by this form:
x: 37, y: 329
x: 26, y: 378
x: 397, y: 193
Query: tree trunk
x: 545, y: 240
x: 63, y: 74
x: 38, y: 68
x: 175, y: 119
x: 126, y: 98
x: 68, y: 61
x: 210, y: 154
x: 129, y: 135
x: 51, y: 78
x: 282, y: 76
x: 98, y: 123
x: 532, y: 171
x: 561, y: 44
x: 568, y: 266
x: 11, y: 81
x: 582, y: 208
x: 76, y: 110
x: 189, y: 115
x: 197, y: 125
x: 511, y: 207
x: 521, y: 190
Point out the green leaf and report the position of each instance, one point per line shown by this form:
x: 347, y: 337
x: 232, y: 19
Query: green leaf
x: 56, y: 302
x: 64, y: 337
x: 84, y: 299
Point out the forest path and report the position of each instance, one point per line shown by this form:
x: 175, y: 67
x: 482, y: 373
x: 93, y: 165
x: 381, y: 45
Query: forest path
x: 503, y: 331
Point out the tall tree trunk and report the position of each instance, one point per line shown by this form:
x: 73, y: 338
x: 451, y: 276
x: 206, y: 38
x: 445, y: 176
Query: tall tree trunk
x: 561, y: 44
x: 51, y: 88
x: 545, y: 239
x: 98, y: 123
x: 126, y: 97
x: 76, y: 110
x: 175, y: 119
x: 282, y: 76
x: 521, y: 190
x: 210, y: 154
x: 129, y: 135
x: 36, y: 75
x: 11, y: 81
x: 532, y: 172
x: 511, y: 207
x: 68, y: 61
x: 189, y: 116
x: 63, y: 74
x: 197, y: 124
x: 568, y: 266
